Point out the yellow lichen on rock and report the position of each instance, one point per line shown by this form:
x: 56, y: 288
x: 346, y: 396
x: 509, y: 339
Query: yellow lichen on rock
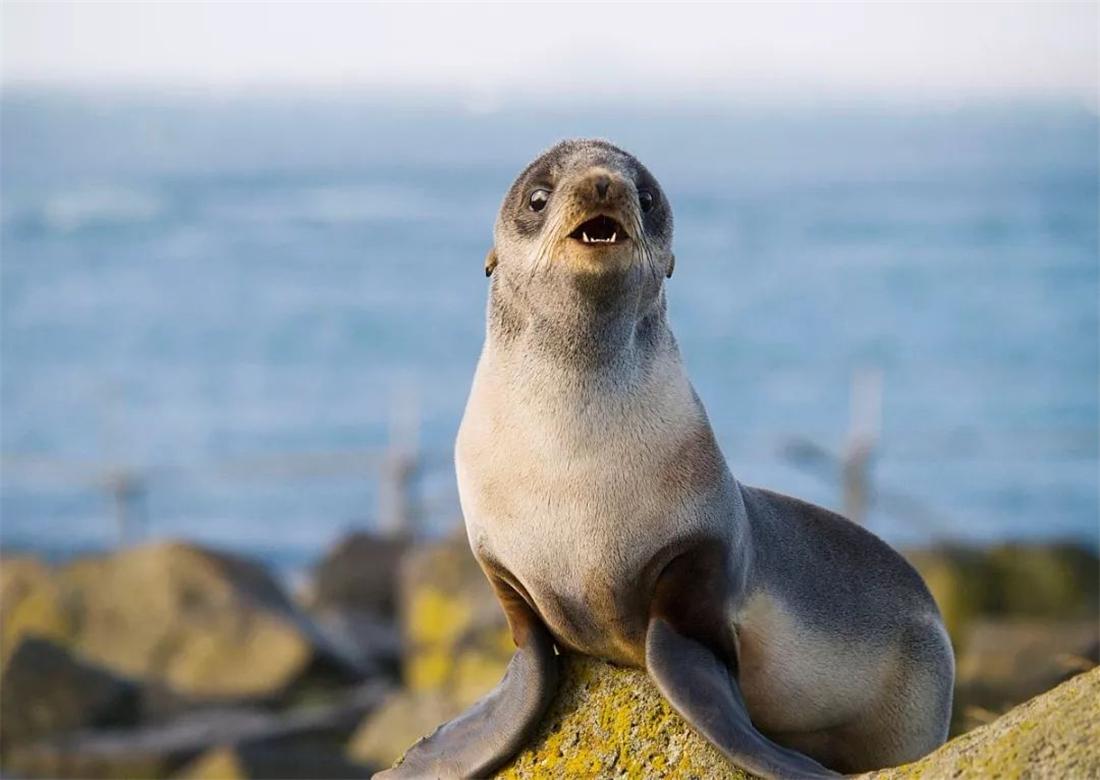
x: 455, y: 634
x: 30, y: 605
x: 434, y: 622
x: 436, y: 618
x: 457, y: 646
x: 218, y: 764
x: 611, y: 722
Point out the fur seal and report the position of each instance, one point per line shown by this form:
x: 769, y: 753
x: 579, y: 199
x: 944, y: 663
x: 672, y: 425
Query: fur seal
x: 603, y: 513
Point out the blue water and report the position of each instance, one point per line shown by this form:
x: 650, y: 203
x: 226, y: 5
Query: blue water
x: 190, y: 284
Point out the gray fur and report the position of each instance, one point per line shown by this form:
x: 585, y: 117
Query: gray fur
x: 586, y: 464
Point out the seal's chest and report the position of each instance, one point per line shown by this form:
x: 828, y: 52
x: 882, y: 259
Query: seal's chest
x: 574, y: 500
x: 588, y: 587
x: 536, y: 478
x: 573, y: 516
x: 580, y: 556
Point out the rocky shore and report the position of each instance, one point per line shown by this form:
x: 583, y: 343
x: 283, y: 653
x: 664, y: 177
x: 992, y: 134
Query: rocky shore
x: 612, y: 722
x: 174, y: 660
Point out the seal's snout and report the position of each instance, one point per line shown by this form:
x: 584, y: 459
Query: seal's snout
x: 602, y: 183
x: 603, y: 199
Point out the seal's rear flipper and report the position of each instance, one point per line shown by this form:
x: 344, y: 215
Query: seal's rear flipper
x: 700, y: 688
x: 686, y: 641
x: 480, y: 740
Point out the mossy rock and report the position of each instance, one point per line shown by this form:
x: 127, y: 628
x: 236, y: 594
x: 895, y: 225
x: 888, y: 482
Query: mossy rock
x: 30, y: 605
x: 46, y: 691
x: 1042, y: 581
x: 1008, y: 662
x: 455, y: 634
x: 1054, y: 581
x: 402, y: 719
x: 223, y: 763
x: 959, y: 581
x: 304, y: 742
x: 202, y: 622
x: 612, y: 722
x: 608, y: 721
x: 457, y: 646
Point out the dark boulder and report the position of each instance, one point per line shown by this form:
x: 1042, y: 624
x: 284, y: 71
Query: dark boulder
x: 159, y: 751
x: 359, y: 574
x: 46, y: 690
x: 272, y: 761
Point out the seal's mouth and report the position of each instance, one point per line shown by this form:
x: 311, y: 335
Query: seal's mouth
x: 600, y: 230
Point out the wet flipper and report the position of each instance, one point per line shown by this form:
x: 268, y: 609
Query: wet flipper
x: 487, y: 735
x: 686, y: 641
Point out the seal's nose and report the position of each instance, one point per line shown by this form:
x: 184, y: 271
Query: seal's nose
x: 602, y: 182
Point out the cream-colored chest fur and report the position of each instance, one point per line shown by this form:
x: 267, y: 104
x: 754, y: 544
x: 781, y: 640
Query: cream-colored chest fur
x: 574, y: 488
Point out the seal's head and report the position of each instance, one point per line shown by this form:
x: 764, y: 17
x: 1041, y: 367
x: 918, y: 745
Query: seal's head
x: 587, y: 208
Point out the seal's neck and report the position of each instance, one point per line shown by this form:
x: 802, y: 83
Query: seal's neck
x: 584, y: 327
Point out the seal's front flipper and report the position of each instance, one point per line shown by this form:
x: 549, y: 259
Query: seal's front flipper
x: 686, y: 632
x: 484, y: 737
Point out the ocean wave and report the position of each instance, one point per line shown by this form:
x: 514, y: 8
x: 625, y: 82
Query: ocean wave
x: 79, y: 209
x: 336, y: 204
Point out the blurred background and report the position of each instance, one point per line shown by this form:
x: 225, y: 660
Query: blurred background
x: 241, y: 302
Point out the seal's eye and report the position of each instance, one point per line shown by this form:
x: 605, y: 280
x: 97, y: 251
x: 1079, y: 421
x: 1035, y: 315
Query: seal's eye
x: 538, y: 199
x: 645, y: 198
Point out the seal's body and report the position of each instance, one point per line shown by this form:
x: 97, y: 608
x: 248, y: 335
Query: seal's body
x: 601, y: 509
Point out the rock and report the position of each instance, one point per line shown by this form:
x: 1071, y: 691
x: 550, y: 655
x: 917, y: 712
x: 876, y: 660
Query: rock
x: 1018, y: 615
x: 455, y: 635
x: 612, y: 722
x: 156, y: 752
x: 1007, y: 662
x: 147, y: 752
x: 1042, y: 581
x: 359, y: 574
x: 1051, y: 581
x: 204, y: 623
x: 457, y: 645
x: 252, y: 762
x: 370, y: 643
x: 29, y: 604
x: 1055, y: 735
x: 46, y: 690
x: 959, y: 582
x: 607, y: 721
x: 402, y: 719
x: 221, y: 763
x: 353, y: 600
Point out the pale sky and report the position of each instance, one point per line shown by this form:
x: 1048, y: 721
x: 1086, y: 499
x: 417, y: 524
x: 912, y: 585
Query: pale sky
x: 896, y: 52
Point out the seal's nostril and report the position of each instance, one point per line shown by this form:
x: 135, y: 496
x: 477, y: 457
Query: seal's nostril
x: 602, y: 183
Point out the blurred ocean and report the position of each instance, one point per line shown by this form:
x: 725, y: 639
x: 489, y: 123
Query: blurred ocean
x: 190, y: 281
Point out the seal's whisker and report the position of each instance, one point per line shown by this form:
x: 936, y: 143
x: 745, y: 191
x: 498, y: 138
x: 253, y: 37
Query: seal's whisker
x: 546, y: 253
x: 544, y: 257
x: 645, y: 249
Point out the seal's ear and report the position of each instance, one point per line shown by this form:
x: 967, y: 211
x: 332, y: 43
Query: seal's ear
x: 490, y: 261
x: 671, y: 266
